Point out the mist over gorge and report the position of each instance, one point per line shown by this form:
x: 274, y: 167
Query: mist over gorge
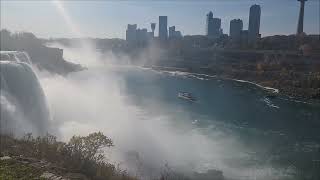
x: 149, y: 130
x: 108, y: 90
x: 144, y: 141
x: 95, y: 100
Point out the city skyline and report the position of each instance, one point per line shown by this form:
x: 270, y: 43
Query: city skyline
x: 99, y: 24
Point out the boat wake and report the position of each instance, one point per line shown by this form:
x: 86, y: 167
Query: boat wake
x: 269, y: 103
x: 187, y: 96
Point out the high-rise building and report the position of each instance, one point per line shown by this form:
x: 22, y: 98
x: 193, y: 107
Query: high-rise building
x: 177, y: 34
x: 301, y: 17
x: 173, y: 34
x: 217, y: 31
x: 244, y: 38
x: 236, y: 26
x: 163, y: 27
x: 209, y: 24
x: 213, y: 26
x: 172, y: 30
x: 131, y: 33
x: 142, y: 36
x: 254, y: 23
x: 137, y: 36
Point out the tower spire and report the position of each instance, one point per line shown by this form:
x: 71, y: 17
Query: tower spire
x: 301, y: 17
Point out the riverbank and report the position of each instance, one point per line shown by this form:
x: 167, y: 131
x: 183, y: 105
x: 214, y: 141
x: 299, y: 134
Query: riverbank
x: 288, y: 92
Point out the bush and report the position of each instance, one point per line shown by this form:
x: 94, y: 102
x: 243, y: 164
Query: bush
x: 82, y: 154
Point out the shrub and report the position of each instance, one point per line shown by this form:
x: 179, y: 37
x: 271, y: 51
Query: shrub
x: 82, y: 154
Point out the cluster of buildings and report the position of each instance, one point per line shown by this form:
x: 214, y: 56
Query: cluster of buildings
x: 135, y: 35
x: 138, y: 36
x: 237, y: 34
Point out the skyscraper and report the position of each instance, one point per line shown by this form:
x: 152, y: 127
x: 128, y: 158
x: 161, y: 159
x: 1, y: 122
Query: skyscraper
x: 236, y: 26
x: 254, y: 23
x: 172, y: 30
x: 301, y: 17
x: 137, y: 36
x: 131, y: 33
x: 244, y: 38
x: 209, y: 24
x: 217, y: 31
x: 173, y: 34
x: 142, y: 36
x: 213, y: 28
x: 163, y: 27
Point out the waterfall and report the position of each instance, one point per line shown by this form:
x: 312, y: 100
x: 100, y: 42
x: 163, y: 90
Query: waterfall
x: 15, y: 56
x: 23, y: 103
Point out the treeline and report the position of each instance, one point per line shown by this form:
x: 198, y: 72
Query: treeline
x: 291, y: 42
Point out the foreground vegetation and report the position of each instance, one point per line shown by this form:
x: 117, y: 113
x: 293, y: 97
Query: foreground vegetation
x: 81, y: 158
x: 11, y: 169
x: 81, y: 155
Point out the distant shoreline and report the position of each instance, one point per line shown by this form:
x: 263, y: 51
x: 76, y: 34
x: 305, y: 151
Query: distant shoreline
x: 273, y: 90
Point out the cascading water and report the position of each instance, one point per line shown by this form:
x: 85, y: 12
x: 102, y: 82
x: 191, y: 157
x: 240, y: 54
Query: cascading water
x: 15, y: 56
x: 23, y: 104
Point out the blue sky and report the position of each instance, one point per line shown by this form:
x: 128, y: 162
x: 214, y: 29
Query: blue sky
x: 108, y: 19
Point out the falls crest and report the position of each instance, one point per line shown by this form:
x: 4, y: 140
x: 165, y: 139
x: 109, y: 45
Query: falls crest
x: 23, y: 103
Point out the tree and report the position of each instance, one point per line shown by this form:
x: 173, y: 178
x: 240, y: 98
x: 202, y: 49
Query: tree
x: 89, y: 147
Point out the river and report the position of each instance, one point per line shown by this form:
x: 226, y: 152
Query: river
x: 275, y: 132
x: 232, y: 126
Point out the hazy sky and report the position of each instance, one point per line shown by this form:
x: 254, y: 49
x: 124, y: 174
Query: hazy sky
x: 108, y: 19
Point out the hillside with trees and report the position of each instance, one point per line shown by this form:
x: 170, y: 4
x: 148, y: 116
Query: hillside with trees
x: 50, y: 59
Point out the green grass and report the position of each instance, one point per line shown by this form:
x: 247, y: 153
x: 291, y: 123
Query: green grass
x: 13, y: 170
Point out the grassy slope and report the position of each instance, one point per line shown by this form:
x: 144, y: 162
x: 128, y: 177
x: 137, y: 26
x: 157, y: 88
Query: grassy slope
x: 11, y: 170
